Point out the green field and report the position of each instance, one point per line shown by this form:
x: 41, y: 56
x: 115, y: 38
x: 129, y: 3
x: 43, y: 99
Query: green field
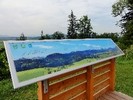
x: 33, y: 73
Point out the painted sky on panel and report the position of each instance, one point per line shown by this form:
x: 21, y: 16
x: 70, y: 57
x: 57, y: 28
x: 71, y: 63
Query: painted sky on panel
x: 43, y: 49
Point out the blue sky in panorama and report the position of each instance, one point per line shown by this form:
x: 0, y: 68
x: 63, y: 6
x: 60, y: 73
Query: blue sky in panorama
x: 43, y: 49
x: 32, y: 16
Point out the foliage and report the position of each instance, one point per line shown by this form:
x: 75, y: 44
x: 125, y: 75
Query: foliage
x: 72, y: 26
x: 1, y: 45
x: 84, y: 27
x: 113, y: 36
x: 124, y: 9
x: 129, y: 53
x: 47, y: 36
x: 58, y: 35
x: 22, y: 37
x: 4, y: 69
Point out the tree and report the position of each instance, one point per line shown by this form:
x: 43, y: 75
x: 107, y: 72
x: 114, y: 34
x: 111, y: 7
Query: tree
x: 58, y: 35
x: 124, y: 9
x: 42, y: 36
x: 113, y: 36
x: 22, y: 37
x: 47, y: 36
x: 84, y: 27
x: 72, y: 26
x: 4, y: 70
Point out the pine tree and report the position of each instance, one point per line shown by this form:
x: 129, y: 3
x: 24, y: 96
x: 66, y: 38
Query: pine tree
x: 72, y: 26
x: 84, y: 27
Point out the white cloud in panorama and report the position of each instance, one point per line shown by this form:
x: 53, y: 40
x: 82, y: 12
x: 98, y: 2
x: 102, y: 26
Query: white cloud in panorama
x: 43, y: 46
x: 32, y: 16
x: 92, y: 46
x: 65, y: 43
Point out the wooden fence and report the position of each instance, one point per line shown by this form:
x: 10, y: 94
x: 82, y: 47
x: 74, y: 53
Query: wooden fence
x: 83, y: 84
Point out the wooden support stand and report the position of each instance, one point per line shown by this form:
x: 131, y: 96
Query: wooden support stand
x: 83, y: 84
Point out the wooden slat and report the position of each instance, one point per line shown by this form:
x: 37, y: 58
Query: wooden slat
x: 80, y: 96
x: 70, y: 92
x: 101, y: 70
x: 102, y: 73
x: 101, y: 90
x: 101, y: 82
x: 101, y: 65
x: 101, y: 78
x: 101, y: 86
x: 63, y: 77
x: 96, y: 71
x: 61, y: 86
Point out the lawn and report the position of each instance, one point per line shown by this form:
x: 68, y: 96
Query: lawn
x: 25, y: 93
x: 124, y: 76
x: 124, y: 83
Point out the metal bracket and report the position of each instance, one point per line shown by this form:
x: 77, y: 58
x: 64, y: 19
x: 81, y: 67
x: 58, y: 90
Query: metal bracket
x: 45, y: 84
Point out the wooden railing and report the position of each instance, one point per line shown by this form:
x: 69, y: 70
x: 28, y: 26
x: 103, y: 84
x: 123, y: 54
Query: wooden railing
x: 83, y: 84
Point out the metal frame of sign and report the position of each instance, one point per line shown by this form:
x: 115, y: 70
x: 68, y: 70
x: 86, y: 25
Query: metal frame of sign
x: 13, y: 72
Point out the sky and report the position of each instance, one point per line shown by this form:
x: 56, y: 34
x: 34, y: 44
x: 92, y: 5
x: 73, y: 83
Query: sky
x: 32, y: 16
x: 43, y: 49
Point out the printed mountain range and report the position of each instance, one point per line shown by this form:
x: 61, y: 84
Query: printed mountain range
x: 58, y: 59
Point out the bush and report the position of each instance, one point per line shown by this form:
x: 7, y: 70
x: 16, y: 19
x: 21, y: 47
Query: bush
x: 129, y: 53
x: 4, y: 69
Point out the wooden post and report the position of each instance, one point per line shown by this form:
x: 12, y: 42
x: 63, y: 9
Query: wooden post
x: 112, y: 75
x: 41, y: 94
x: 90, y: 84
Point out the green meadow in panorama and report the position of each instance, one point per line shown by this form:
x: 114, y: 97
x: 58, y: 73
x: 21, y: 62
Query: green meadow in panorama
x: 37, y: 72
x: 33, y: 73
x: 29, y: 74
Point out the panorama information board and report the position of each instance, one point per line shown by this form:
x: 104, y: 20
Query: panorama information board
x: 32, y: 61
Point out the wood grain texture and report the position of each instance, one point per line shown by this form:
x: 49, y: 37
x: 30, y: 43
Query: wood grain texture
x: 94, y: 82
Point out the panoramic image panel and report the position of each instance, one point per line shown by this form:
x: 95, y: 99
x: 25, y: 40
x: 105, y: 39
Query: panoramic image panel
x: 34, y: 59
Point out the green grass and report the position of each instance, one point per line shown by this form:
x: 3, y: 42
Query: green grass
x: 124, y: 76
x: 25, y: 93
x: 124, y: 84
